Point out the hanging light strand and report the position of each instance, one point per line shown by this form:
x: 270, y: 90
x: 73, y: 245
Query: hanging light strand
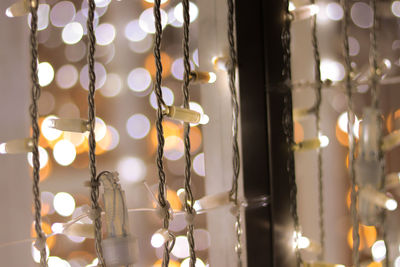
x: 288, y: 127
x: 350, y: 124
x: 189, y: 201
x: 375, y: 93
x: 235, y: 122
x: 317, y: 109
x: 162, y: 198
x: 33, y: 110
x: 94, y: 183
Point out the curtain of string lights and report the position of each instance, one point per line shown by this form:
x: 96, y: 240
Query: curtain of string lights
x: 146, y: 123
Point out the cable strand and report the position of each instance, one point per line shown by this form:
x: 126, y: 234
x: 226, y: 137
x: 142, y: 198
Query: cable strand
x: 235, y: 118
x: 162, y: 198
x: 189, y: 200
x: 317, y: 109
x: 350, y: 117
x: 94, y: 194
x: 288, y: 127
x: 33, y: 111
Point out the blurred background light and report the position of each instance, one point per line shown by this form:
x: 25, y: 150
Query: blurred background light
x: 62, y: 13
x: 67, y: 76
x: 105, y: 34
x: 133, y: 31
x: 45, y: 73
x: 64, y: 152
x: 138, y: 126
x: 72, y: 33
x: 146, y: 20
x: 132, y: 169
x: 64, y: 204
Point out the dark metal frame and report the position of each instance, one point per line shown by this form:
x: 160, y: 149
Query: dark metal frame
x: 264, y: 149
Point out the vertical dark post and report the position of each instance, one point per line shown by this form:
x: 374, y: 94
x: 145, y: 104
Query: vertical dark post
x: 269, y: 229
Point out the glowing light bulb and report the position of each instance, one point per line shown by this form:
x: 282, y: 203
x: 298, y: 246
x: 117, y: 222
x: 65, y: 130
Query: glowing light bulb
x: 201, y: 77
x: 159, y: 238
x: 18, y: 9
x: 304, y: 12
x: 303, y: 242
x: 391, y: 204
x: 324, y: 140
x: 212, y: 201
x: 18, y: 146
x: 220, y: 63
x: 186, y: 115
x: 380, y: 199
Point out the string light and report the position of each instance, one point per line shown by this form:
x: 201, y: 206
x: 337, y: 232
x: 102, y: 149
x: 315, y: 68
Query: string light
x: 201, y: 77
x: 185, y: 115
x: 20, y: 8
x: 377, y: 198
x: 304, y: 12
x: 159, y: 238
x: 311, y: 144
x: 18, y: 146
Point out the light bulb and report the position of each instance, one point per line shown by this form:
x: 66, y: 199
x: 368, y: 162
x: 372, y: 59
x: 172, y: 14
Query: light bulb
x: 391, y: 204
x: 304, y: 12
x: 212, y: 201
x: 220, y: 63
x: 159, y: 238
x: 80, y: 230
x: 391, y: 140
x: 20, y: 8
x: 310, y: 144
x: 301, y: 113
x: 69, y: 125
x: 378, y: 198
x: 303, y: 242
x: 324, y: 140
x: 18, y: 146
x: 201, y: 77
x: 392, y: 180
x: 185, y: 115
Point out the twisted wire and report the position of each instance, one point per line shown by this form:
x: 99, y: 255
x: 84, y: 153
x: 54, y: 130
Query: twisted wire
x: 33, y: 110
x: 288, y: 127
x: 375, y: 92
x: 317, y: 108
x: 350, y: 117
x: 235, y: 118
x: 162, y: 200
x: 94, y: 194
x: 189, y: 201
